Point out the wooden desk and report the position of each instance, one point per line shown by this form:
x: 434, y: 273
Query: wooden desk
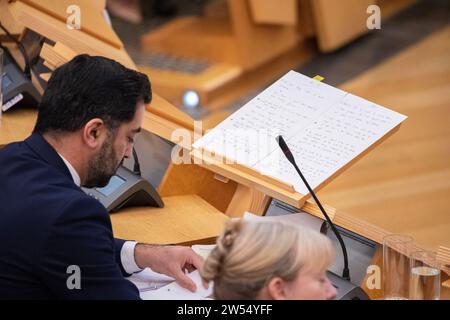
x: 16, y: 125
x: 185, y: 219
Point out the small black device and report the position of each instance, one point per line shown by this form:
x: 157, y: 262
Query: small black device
x: 126, y: 189
x: 345, y: 289
x: 18, y: 90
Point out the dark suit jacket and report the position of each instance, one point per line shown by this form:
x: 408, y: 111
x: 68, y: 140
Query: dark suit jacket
x: 47, y: 224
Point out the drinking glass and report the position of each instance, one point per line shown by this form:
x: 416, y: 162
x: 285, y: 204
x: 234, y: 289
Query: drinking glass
x: 425, y: 279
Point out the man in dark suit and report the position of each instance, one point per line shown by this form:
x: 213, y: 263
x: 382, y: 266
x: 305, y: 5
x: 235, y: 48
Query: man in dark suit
x: 51, y: 232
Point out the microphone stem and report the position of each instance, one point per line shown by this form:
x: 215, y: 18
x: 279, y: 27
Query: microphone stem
x: 345, y: 272
x: 137, y: 167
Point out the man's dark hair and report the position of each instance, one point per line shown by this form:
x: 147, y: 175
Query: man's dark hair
x: 90, y: 87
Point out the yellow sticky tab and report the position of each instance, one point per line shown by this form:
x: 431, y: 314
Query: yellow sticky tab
x: 318, y: 78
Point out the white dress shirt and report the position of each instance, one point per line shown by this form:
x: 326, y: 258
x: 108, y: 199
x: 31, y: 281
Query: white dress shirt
x: 127, y: 251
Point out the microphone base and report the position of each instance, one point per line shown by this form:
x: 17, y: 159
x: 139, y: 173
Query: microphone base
x: 345, y: 289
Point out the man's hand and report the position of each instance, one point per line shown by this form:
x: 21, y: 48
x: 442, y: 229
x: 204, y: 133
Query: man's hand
x: 169, y: 260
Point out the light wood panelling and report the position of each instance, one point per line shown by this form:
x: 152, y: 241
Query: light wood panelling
x: 193, y: 179
x: 338, y: 22
x: 274, y: 11
x: 247, y: 199
x: 202, y: 38
x: 91, y: 18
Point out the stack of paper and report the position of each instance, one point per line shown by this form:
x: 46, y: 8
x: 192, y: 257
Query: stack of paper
x: 147, y: 280
x: 174, y: 291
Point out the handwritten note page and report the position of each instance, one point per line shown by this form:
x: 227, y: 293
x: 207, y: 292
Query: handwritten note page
x: 324, y: 127
x: 287, y: 106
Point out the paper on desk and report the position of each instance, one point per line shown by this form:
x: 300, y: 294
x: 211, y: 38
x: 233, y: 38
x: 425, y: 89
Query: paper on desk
x: 147, y: 280
x: 174, y: 291
x: 203, y: 250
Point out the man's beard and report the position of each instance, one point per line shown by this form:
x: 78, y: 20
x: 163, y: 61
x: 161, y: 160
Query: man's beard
x: 103, y: 165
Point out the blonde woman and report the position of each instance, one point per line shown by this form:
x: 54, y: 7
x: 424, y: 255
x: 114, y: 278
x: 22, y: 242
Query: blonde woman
x: 269, y: 260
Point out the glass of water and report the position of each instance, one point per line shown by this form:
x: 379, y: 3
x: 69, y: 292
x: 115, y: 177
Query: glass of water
x: 396, y: 266
x: 425, y: 279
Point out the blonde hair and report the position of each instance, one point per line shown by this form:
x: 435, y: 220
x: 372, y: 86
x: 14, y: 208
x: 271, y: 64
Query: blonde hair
x: 249, y: 254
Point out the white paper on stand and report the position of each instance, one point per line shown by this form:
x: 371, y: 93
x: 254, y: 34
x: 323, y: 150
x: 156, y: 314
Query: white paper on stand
x: 325, y: 128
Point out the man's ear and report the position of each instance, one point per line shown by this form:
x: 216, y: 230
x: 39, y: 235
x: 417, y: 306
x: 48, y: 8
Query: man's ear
x: 276, y: 289
x: 94, y: 133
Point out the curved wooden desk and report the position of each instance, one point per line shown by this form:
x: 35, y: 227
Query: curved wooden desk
x: 16, y: 125
x: 185, y: 220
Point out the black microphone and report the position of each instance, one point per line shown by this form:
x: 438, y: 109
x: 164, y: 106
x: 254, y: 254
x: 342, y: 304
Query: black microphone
x: 137, y: 166
x: 287, y: 152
